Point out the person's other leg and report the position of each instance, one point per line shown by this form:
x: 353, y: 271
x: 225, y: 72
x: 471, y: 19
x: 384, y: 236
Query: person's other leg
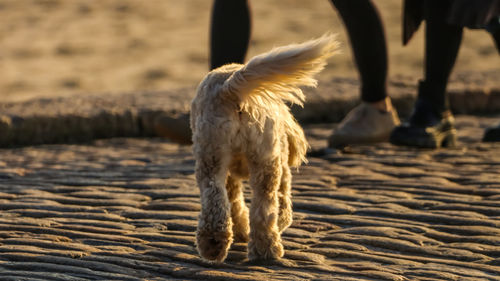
x: 367, y: 38
x: 229, y: 37
x: 229, y: 32
x: 374, y: 119
x: 431, y: 123
x: 442, y: 42
x: 492, y: 134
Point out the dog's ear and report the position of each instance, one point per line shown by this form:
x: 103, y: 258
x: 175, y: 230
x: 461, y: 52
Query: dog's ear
x: 278, y: 74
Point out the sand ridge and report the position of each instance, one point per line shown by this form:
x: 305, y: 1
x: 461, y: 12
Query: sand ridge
x: 126, y: 209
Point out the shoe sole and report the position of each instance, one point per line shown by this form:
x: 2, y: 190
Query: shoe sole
x: 434, y: 140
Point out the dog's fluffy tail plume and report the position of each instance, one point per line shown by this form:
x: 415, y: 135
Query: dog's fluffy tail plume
x: 278, y: 74
x: 272, y: 78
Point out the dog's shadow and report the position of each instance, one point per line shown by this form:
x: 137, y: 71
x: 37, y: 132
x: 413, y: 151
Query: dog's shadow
x: 237, y: 255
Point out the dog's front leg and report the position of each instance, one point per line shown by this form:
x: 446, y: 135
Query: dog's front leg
x: 265, y: 238
x: 214, y: 235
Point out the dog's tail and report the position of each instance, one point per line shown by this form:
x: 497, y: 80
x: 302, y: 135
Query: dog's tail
x: 278, y: 74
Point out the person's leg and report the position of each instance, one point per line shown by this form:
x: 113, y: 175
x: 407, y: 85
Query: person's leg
x: 367, y: 37
x: 431, y: 123
x: 229, y: 32
x: 494, y: 30
x: 374, y: 119
x: 229, y: 36
x: 492, y: 134
x: 442, y: 42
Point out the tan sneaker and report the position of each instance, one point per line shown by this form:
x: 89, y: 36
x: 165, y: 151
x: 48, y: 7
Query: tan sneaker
x: 365, y: 124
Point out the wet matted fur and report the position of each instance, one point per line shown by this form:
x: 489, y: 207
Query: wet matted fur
x: 242, y: 128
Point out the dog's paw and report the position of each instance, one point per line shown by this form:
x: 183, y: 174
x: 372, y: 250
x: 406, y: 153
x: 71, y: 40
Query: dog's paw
x: 213, y: 246
x: 284, y: 220
x: 285, y: 216
x: 259, y: 251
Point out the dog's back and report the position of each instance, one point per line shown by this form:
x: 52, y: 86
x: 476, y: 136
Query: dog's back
x: 235, y: 101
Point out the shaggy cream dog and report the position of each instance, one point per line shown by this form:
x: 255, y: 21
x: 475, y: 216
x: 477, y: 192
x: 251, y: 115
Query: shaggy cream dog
x: 243, y: 128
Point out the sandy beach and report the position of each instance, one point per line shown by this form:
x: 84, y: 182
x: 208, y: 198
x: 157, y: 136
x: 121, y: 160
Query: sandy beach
x: 88, y: 191
x: 52, y: 48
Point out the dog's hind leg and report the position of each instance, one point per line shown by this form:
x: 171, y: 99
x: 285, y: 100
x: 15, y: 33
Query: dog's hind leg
x: 214, y: 235
x: 285, y: 202
x: 239, y: 211
x: 265, y: 238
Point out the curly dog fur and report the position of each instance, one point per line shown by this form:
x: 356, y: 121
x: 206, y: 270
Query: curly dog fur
x: 242, y: 129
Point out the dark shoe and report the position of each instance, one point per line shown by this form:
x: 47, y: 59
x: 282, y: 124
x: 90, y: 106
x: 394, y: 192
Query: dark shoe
x: 492, y: 134
x: 426, y: 128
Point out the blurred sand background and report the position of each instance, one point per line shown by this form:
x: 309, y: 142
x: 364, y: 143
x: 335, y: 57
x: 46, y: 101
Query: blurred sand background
x: 75, y: 47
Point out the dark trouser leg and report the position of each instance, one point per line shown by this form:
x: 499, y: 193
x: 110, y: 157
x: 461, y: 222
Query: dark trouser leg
x: 493, y: 133
x: 229, y: 32
x: 367, y: 37
x: 496, y: 38
x: 431, y: 125
x: 442, y: 42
